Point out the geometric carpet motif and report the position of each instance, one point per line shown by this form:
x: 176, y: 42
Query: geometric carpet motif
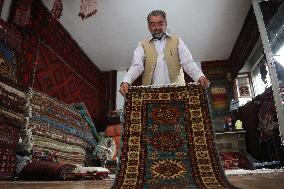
x: 54, y: 77
x: 168, y: 141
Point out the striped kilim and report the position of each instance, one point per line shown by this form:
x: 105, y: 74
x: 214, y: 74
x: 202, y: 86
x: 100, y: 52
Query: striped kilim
x: 56, y: 128
x: 168, y: 141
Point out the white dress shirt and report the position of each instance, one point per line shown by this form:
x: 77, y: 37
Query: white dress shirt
x: 161, y: 73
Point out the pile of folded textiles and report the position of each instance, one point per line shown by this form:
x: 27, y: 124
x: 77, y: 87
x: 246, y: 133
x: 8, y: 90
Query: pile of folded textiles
x: 57, y: 130
x: 60, y: 140
x: 88, y: 173
x: 48, y: 170
x: 12, y: 109
x: 234, y: 160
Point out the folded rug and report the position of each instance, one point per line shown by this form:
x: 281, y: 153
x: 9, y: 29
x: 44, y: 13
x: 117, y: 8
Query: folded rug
x: 46, y: 170
x: 234, y: 160
x: 168, y: 141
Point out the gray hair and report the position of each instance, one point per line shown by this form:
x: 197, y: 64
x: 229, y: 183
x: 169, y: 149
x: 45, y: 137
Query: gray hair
x: 157, y: 13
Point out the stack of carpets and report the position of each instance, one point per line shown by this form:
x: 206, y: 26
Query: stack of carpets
x: 168, y: 141
x: 58, y: 129
x: 82, y: 109
x: 12, y: 108
x: 234, y: 160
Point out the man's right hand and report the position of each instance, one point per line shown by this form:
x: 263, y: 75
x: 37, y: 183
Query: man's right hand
x: 124, y: 88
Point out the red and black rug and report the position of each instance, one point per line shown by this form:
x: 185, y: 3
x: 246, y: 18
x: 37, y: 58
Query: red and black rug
x: 168, y: 141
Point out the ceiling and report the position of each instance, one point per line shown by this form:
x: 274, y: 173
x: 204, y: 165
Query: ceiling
x: 209, y: 27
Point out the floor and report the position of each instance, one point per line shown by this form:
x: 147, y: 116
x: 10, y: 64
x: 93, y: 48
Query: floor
x: 259, y: 181
x: 255, y: 181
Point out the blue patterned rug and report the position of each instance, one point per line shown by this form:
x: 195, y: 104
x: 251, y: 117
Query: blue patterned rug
x: 168, y: 141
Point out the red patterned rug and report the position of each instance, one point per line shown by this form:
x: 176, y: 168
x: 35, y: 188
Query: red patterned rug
x: 168, y: 141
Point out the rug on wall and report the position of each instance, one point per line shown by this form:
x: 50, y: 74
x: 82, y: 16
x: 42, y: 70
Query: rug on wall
x: 58, y: 79
x: 168, y: 141
x: 8, y: 67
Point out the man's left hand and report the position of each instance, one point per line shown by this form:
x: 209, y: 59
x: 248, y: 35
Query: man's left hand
x: 204, y: 81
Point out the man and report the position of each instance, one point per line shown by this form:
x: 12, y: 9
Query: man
x: 161, y: 58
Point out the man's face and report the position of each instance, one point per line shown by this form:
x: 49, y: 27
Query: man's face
x: 157, y: 26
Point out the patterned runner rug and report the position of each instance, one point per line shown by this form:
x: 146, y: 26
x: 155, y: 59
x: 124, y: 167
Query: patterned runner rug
x: 168, y: 141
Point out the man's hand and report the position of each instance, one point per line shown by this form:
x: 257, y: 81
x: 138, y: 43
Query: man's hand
x: 203, y: 81
x: 124, y: 88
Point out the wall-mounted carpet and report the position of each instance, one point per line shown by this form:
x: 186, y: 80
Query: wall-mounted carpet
x: 168, y: 141
x: 53, y: 63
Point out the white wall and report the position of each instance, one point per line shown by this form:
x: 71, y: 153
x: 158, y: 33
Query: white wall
x: 119, y: 98
x: 198, y: 63
x: 6, y: 9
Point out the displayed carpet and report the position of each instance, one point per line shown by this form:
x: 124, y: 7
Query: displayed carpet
x: 12, y: 103
x: 7, y: 63
x: 168, y: 141
x: 57, y: 129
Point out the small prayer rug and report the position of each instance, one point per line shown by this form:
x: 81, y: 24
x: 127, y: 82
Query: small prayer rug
x: 168, y: 141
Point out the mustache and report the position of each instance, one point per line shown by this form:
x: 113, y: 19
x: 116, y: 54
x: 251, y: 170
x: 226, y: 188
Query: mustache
x: 158, y: 31
x: 158, y: 35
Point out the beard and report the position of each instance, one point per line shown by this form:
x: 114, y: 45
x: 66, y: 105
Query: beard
x: 158, y: 34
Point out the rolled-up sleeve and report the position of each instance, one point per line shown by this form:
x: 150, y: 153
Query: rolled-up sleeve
x: 137, y: 66
x: 187, y: 63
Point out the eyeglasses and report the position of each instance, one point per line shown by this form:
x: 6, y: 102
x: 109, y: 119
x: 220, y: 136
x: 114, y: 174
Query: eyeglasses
x: 157, y: 24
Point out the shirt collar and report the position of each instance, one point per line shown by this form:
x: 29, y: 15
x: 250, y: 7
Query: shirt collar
x: 152, y: 39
